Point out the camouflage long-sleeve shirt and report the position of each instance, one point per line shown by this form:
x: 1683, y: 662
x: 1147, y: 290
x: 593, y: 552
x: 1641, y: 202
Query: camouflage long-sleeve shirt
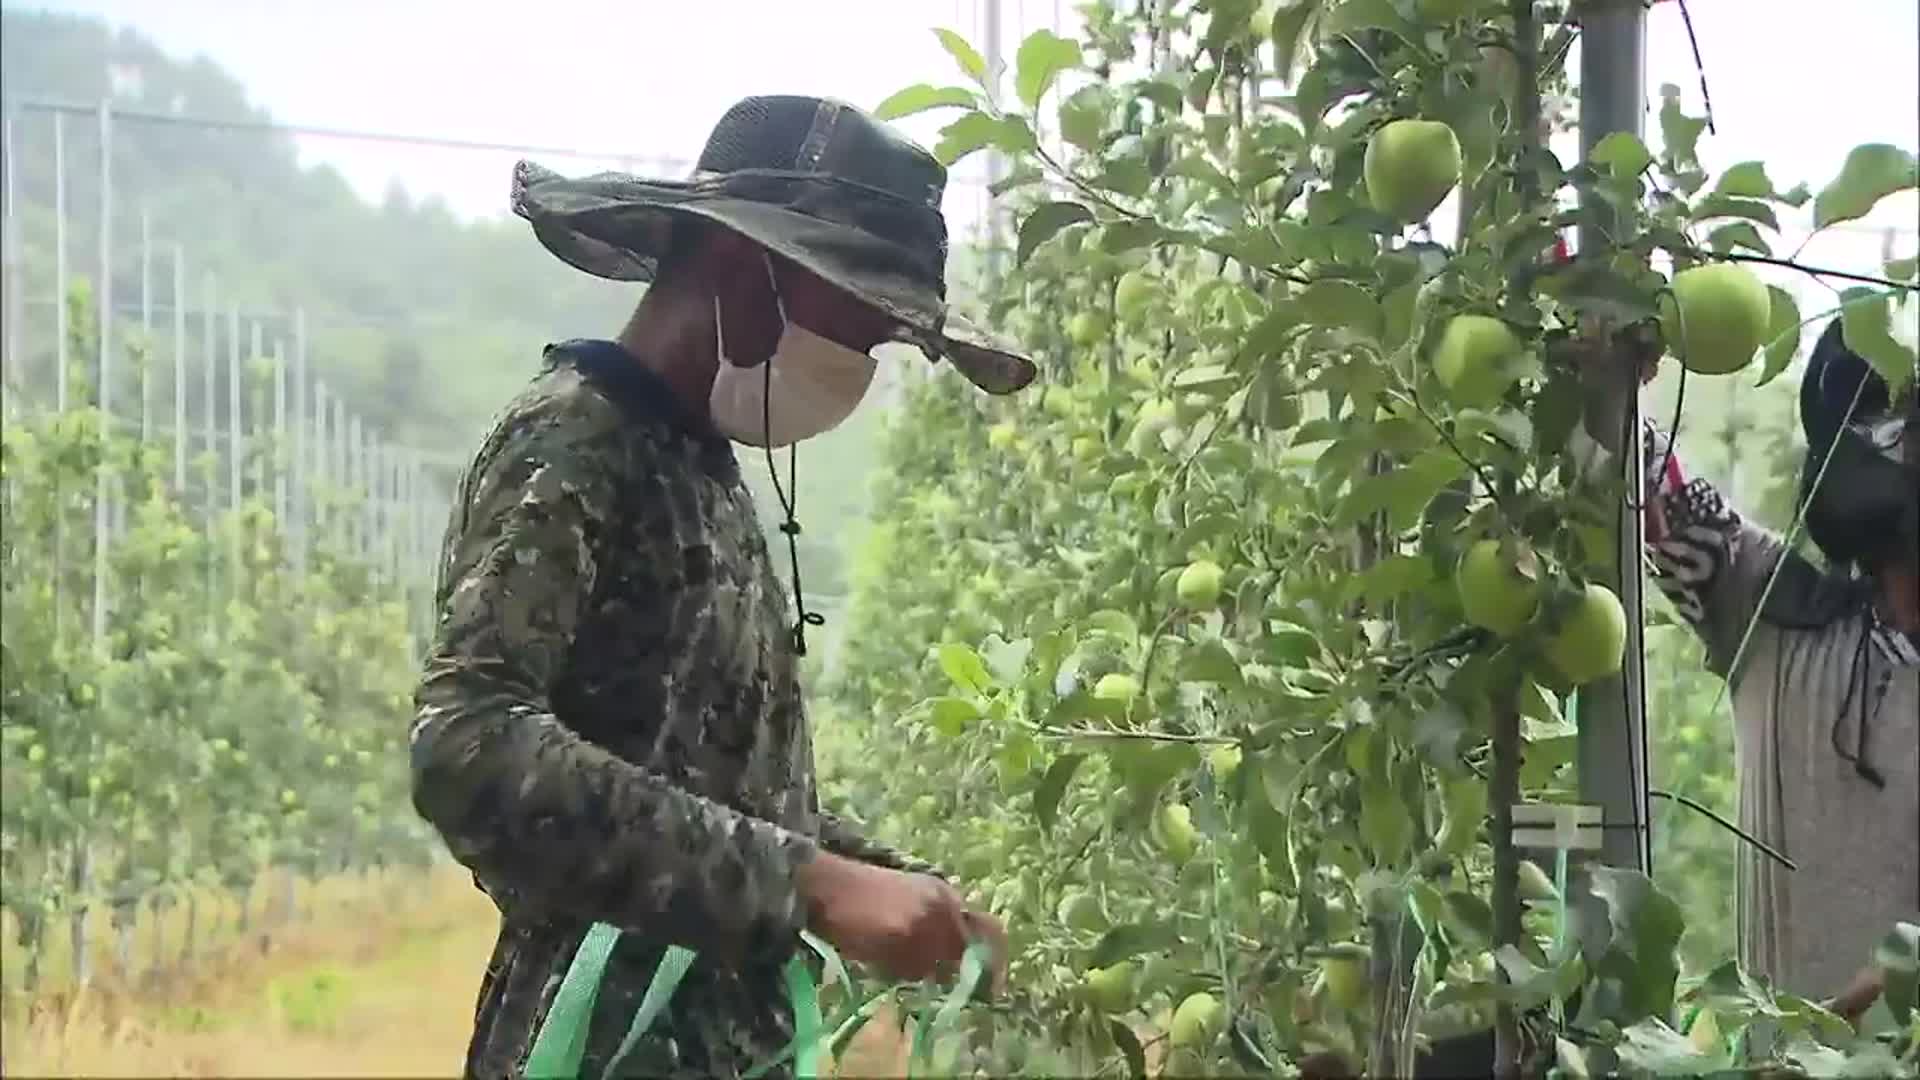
x: 610, y: 727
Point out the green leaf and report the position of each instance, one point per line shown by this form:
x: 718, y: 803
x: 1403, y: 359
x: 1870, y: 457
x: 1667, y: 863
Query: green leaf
x: 1647, y: 925
x: 974, y: 131
x: 1601, y: 291
x: 965, y: 668
x: 951, y: 715
x: 1657, y: 1050
x: 1355, y: 15
x: 1131, y: 940
x: 1164, y: 94
x: 1747, y: 180
x: 1623, y: 154
x: 1040, y: 60
x: 1391, y: 577
x: 1203, y: 377
x: 1543, y: 758
x: 1404, y: 492
x: 1083, y: 116
x: 1044, y: 221
x: 1023, y: 174
x: 1384, y: 821
x: 966, y: 55
x: 1557, y: 411
x: 1870, y: 173
x: 1120, y: 237
x: 1289, y: 645
x: 1116, y: 624
x: 1290, y: 23
x: 1129, y: 1044
x: 1210, y: 662
x: 1738, y: 234
x: 1907, y: 269
x: 1053, y: 786
x: 1783, y: 334
x: 1342, y: 304
x: 923, y: 96
x: 1724, y: 206
x: 1126, y: 174
x: 1679, y: 133
x: 1007, y: 659
x: 1866, y: 324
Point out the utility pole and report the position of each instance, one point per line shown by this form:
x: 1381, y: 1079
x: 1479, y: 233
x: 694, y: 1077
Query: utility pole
x: 996, y: 163
x: 1611, y: 712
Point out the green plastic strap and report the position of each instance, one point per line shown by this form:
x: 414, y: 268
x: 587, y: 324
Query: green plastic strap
x: 806, y: 1019
x: 972, y: 966
x: 666, y: 979
x: 846, y: 1023
x: 560, y: 1045
x: 562, y: 1039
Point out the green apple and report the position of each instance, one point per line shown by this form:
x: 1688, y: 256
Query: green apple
x: 1081, y: 911
x: 1496, y: 592
x: 1086, y: 449
x: 1110, y: 989
x: 1535, y: 885
x: 1199, y: 585
x: 1086, y: 329
x: 1410, y: 166
x: 1173, y: 827
x: 1196, y: 1022
x: 1346, y: 981
x: 1133, y: 295
x: 1225, y: 761
x: 1001, y: 436
x: 1716, y: 318
x: 1474, y: 359
x: 1117, y: 687
x: 1591, y: 638
x: 1154, y: 417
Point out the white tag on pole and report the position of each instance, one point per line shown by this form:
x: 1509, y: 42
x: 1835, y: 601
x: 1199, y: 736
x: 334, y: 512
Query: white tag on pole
x: 1565, y: 826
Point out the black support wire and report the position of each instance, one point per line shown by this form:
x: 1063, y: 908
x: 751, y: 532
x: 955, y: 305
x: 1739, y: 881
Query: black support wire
x: 150, y: 116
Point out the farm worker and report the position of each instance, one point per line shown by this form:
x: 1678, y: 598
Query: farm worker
x: 610, y: 724
x: 1826, y: 697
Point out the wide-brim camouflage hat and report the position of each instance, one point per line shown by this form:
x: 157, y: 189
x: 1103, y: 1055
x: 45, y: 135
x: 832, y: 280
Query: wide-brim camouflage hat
x: 815, y: 181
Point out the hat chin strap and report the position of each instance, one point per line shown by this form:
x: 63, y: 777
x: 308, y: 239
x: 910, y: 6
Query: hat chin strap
x: 816, y: 384
x: 808, y: 387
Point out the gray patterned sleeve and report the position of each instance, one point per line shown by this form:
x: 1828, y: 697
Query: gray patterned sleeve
x: 523, y: 801
x: 1708, y: 559
x: 842, y: 838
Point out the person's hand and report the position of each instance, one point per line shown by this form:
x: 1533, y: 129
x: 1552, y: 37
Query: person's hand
x: 1859, y: 996
x: 1598, y: 353
x: 984, y: 927
x: 909, y: 927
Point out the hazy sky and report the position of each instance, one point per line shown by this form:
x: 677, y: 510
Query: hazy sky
x: 1793, y: 83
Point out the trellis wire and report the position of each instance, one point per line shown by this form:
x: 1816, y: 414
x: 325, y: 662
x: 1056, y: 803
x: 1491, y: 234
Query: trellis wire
x: 268, y: 427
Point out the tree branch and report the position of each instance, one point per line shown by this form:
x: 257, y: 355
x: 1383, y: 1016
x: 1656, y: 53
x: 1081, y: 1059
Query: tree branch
x: 1813, y: 271
x: 1148, y: 736
x: 1736, y: 830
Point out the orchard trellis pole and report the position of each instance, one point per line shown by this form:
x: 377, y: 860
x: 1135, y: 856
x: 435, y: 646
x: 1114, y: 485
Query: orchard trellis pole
x: 1611, y: 712
x: 248, y: 424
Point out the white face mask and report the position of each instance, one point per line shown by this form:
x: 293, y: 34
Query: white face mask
x: 808, y: 387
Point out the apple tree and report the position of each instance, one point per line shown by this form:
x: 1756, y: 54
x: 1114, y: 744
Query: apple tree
x: 1214, y: 661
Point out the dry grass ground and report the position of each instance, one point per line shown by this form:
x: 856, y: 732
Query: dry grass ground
x: 378, y: 982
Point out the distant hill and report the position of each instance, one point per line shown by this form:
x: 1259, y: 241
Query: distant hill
x: 424, y: 323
